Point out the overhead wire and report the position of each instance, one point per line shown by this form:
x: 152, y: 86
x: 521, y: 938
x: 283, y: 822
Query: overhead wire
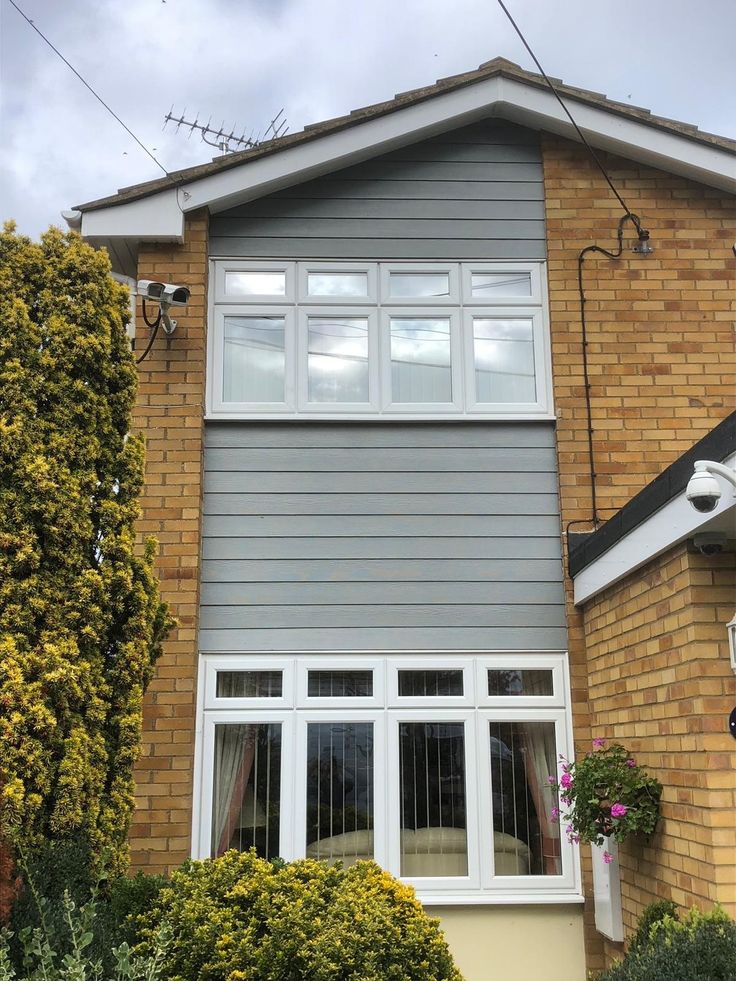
x: 643, y: 238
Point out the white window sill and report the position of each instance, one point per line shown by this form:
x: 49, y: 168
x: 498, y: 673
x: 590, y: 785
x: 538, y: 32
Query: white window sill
x: 501, y: 899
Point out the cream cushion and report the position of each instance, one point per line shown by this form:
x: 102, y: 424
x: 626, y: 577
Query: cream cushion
x: 425, y: 852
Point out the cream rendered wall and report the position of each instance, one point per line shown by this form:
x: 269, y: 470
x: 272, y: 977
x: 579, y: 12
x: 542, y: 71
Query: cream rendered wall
x: 515, y: 943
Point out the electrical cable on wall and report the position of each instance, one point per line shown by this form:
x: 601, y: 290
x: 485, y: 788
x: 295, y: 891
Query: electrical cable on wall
x: 643, y: 248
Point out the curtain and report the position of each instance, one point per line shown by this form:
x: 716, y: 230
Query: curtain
x: 234, y: 753
x: 540, y: 751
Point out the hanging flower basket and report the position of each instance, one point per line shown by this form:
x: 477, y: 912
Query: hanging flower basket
x: 607, y: 795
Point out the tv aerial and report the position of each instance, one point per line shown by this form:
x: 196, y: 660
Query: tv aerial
x: 226, y: 142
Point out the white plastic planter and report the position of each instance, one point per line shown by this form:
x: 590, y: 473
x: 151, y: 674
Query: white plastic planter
x: 607, y: 891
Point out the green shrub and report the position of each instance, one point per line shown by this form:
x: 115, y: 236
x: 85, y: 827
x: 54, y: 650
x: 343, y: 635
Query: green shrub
x: 51, y: 956
x: 701, y: 947
x: 239, y: 917
x: 63, y: 872
x: 654, y: 913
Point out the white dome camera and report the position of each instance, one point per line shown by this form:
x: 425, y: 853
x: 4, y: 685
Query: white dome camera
x: 703, y: 491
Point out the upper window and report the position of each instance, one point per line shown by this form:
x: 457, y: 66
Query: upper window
x: 383, y: 339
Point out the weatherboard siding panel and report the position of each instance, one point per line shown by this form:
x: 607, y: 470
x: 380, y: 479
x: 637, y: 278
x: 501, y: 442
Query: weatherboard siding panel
x: 412, y: 564
x: 369, y: 639
x: 368, y: 570
x: 407, y: 249
x: 323, y: 434
x: 475, y: 193
x: 240, y: 482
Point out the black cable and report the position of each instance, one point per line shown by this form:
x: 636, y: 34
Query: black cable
x: 567, y: 112
x: 154, y: 331
x: 88, y: 86
x: 584, y: 332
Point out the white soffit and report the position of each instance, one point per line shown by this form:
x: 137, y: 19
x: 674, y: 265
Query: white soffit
x: 673, y: 523
x: 159, y: 216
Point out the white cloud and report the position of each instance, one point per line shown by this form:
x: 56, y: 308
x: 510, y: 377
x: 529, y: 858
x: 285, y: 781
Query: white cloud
x: 241, y: 60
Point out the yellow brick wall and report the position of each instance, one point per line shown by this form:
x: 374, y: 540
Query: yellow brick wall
x: 661, y: 351
x: 170, y: 412
x: 661, y: 683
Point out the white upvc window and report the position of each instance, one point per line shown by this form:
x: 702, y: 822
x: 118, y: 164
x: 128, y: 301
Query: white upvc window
x: 388, y: 340
x: 434, y: 765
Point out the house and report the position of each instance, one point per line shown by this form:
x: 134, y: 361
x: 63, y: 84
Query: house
x: 368, y: 440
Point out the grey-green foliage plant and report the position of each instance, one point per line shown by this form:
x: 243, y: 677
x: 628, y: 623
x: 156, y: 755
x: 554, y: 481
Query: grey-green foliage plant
x: 47, y: 957
x: 700, y: 947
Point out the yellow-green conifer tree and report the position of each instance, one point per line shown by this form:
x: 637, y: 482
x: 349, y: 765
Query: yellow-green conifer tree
x: 81, y: 619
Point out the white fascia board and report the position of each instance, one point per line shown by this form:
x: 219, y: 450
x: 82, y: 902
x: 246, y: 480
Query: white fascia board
x: 156, y: 218
x: 622, y: 135
x: 159, y: 216
x: 673, y: 523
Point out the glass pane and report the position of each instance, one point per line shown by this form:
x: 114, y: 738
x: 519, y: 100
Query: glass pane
x: 504, y: 360
x: 255, y: 283
x: 418, y: 284
x: 340, y: 793
x: 345, y: 684
x: 416, y: 683
x: 249, y: 684
x: 255, y: 359
x: 526, y: 836
x: 432, y: 775
x: 246, y: 805
x: 420, y: 360
x: 505, y: 681
x: 337, y: 359
x: 500, y: 284
x: 337, y: 284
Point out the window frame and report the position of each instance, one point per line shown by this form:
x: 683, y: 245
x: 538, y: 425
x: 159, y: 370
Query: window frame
x: 304, y: 314
x: 461, y: 307
x: 386, y: 710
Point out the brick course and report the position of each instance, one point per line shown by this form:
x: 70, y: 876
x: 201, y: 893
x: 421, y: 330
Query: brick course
x: 170, y: 411
x: 661, y: 683
x: 661, y: 353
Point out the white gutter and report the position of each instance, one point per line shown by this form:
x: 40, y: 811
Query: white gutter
x: 673, y: 523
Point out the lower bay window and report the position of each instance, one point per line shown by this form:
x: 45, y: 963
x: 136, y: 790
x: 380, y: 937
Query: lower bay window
x: 436, y: 767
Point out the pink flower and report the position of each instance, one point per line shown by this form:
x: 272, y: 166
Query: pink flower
x: 619, y: 811
x: 566, y: 781
x: 607, y: 858
x: 599, y: 742
x: 575, y: 839
x: 555, y: 813
x: 568, y: 830
x: 565, y: 800
x: 630, y: 762
x: 551, y: 781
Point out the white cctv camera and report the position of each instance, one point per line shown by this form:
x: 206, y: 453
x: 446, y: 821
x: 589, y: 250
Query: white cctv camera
x: 167, y: 295
x: 703, y: 490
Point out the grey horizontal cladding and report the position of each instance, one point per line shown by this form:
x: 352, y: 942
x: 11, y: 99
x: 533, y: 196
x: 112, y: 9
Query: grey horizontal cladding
x: 321, y: 459
x: 398, y: 526
x: 362, y: 208
x: 384, y: 228
x: 354, y: 617
x: 445, y: 435
x: 378, y: 248
x: 388, y: 570
x: 520, y: 638
x: 379, y: 504
x: 246, y: 482
x: 237, y: 594
x: 474, y: 193
x: 439, y: 191
x: 321, y: 536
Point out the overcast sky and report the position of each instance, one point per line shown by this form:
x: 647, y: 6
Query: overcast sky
x: 240, y: 61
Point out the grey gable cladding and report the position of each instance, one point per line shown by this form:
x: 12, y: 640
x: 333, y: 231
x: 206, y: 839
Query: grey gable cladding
x: 359, y: 536
x: 472, y: 193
